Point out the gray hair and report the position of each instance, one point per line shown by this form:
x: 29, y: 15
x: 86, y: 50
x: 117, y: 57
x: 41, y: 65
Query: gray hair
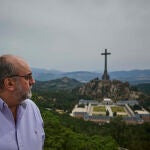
x: 6, y: 69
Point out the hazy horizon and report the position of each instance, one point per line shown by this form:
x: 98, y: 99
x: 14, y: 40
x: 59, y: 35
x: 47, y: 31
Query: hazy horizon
x: 96, y: 71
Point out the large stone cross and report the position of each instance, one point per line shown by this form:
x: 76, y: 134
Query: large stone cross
x: 105, y: 76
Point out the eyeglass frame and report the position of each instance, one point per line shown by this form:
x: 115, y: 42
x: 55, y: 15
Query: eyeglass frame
x: 26, y: 77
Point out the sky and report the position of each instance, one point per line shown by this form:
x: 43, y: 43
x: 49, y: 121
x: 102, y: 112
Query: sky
x: 70, y: 35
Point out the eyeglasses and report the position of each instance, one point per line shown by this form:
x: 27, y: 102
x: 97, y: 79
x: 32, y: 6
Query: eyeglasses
x: 26, y: 77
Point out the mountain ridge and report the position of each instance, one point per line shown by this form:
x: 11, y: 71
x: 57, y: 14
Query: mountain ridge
x: 132, y: 76
x: 63, y: 83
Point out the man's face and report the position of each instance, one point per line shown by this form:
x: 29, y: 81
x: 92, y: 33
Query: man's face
x: 22, y: 93
x: 18, y: 85
x: 24, y: 84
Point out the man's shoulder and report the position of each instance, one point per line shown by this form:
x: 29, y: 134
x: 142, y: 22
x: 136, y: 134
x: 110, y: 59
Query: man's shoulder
x: 29, y: 102
x: 30, y: 105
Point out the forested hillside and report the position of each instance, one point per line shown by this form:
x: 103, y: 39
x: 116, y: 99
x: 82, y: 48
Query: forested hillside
x: 64, y: 83
x: 145, y: 87
x: 66, y: 133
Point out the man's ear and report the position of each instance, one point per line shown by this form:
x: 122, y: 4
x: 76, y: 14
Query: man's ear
x: 9, y: 84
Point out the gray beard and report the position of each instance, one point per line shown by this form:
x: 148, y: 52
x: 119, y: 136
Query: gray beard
x: 21, y: 95
x: 29, y: 95
x: 26, y: 95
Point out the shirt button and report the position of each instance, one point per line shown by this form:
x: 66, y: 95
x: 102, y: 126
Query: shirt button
x: 20, y: 146
x: 35, y: 131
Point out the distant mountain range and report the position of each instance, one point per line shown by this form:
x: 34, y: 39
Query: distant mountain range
x: 133, y: 76
x: 64, y: 83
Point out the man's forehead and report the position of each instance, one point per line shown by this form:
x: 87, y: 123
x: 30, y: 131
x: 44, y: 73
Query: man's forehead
x: 18, y: 62
x: 12, y: 58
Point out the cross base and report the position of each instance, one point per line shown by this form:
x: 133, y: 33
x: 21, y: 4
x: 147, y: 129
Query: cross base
x: 105, y: 76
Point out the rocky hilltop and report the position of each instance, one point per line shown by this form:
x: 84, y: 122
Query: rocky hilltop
x: 115, y: 89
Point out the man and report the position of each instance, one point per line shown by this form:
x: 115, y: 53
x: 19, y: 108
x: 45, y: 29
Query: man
x: 21, y: 125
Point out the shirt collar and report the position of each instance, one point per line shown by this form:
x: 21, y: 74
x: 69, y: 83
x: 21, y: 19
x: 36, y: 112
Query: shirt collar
x: 1, y: 104
x: 23, y: 104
